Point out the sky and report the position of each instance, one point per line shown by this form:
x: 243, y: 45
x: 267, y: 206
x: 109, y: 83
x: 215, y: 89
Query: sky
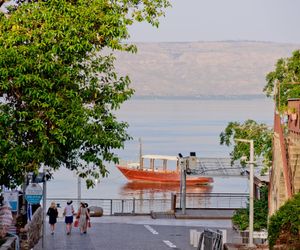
x: 219, y: 20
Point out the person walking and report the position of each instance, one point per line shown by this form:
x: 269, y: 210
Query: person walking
x: 68, y: 213
x: 88, y: 222
x: 53, y: 214
x: 83, y: 217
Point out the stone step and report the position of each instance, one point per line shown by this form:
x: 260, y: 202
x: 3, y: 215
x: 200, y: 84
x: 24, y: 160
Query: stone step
x: 297, y: 180
x: 294, y: 150
x: 293, y: 162
x: 162, y: 215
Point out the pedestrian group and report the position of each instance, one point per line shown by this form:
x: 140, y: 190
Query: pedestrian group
x: 82, y: 220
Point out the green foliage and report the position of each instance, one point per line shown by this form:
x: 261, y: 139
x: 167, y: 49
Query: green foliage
x: 241, y: 216
x: 250, y: 130
x: 285, y: 222
x: 59, y: 89
x: 284, y: 82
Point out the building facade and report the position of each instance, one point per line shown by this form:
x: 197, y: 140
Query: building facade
x: 285, y: 173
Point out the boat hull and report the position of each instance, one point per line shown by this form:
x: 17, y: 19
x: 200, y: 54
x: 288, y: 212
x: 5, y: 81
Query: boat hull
x: 171, y: 177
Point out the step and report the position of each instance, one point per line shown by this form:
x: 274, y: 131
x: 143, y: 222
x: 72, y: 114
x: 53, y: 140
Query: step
x: 162, y: 215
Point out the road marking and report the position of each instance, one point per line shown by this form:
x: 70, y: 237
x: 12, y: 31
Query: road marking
x: 150, y: 229
x: 169, y: 243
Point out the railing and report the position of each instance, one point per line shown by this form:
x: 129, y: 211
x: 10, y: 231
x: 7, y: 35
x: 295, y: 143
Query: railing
x: 210, y: 240
x: 146, y: 206
x: 121, y: 206
x: 214, y: 200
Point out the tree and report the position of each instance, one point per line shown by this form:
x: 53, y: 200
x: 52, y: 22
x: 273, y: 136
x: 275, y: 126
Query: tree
x: 59, y: 88
x: 284, y: 82
x: 284, y: 225
x: 250, y: 130
x: 241, y: 216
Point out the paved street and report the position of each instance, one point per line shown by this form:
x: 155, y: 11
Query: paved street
x: 129, y: 233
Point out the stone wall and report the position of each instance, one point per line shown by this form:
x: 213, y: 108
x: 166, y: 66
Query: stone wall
x: 32, y: 232
x: 278, y: 193
x: 294, y: 160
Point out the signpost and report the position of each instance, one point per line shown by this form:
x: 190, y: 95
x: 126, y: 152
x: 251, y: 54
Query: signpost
x: 13, y: 198
x: 33, y: 193
x: 260, y: 235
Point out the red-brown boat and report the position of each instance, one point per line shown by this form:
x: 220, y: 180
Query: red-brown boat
x: 138, y: 172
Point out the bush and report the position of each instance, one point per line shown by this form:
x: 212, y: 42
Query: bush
x: 284, y: 225
x: 241, y: 216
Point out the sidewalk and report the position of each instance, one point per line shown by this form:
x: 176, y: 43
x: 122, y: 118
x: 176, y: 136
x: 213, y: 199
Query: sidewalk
x: 129, y: 233
x: 138, y: 219
x: 206, y: 214
x: 146, y: 219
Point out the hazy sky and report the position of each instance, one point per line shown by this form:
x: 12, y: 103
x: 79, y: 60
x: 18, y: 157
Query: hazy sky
x: 215, y: 20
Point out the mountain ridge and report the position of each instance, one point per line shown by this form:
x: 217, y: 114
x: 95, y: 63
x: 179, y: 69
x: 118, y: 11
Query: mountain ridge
x: 201, y: 68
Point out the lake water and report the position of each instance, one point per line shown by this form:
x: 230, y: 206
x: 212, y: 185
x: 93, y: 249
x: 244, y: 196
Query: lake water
x: 169, y: 127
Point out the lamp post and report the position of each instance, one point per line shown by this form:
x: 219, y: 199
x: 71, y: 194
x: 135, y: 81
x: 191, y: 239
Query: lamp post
x: 251, y: 189
x: 78, y: 190
x: 185, y: 168
x: 44, y: 206
x: 182, y: 164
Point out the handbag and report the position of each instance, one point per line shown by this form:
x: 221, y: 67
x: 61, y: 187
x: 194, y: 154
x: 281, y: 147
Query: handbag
x: 89, y: 223
x: 76, y: 223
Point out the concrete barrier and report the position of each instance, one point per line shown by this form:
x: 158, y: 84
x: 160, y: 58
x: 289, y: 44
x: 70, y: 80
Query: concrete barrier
x: 194, y: 237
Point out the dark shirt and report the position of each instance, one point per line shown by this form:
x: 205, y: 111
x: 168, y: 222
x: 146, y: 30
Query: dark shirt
x: 53, y: 213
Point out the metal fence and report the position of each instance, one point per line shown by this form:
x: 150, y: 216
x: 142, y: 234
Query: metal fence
x: 120, y: 206
x: 214, y: 200
x: 146, y: 206
x: 259, y: 237
x: 210, y: 240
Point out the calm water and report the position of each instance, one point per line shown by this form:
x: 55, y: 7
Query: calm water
x: 170, y: 127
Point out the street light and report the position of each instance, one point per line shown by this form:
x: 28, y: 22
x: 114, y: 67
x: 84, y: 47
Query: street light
x: 186, y: 163
x: 251, y: 189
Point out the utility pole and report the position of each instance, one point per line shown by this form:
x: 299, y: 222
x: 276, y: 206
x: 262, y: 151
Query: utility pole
x: 78, y: 190
x: 251, y: 189
x: 186, y: 163
x: 183, y: 194
x: 44, y: 207
x: 251, y: 212
x: 141, y: 154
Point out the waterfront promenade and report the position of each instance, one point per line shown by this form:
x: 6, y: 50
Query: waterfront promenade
x: 131, y: 233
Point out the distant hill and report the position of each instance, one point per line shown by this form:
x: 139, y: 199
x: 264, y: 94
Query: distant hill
x: 201, y: 68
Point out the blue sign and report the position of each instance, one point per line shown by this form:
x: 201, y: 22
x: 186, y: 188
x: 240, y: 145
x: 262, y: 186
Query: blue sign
x: 33, y: 193
x: 14, y: 206
x: 13, y: 198
x: 33, y: 199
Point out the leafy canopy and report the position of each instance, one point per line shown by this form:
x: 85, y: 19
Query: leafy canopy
x: 59, y: 88
x: 249, y: 130
x: 284, y: 82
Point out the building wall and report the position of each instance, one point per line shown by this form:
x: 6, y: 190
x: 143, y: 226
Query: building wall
x: 285, y: 175
x: 277, y: 192
x: 294, y: 160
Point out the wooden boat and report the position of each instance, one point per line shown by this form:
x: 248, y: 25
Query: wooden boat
x: 138, y: 172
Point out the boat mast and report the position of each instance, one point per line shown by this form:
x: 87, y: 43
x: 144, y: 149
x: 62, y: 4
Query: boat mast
x: 141, y: 154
